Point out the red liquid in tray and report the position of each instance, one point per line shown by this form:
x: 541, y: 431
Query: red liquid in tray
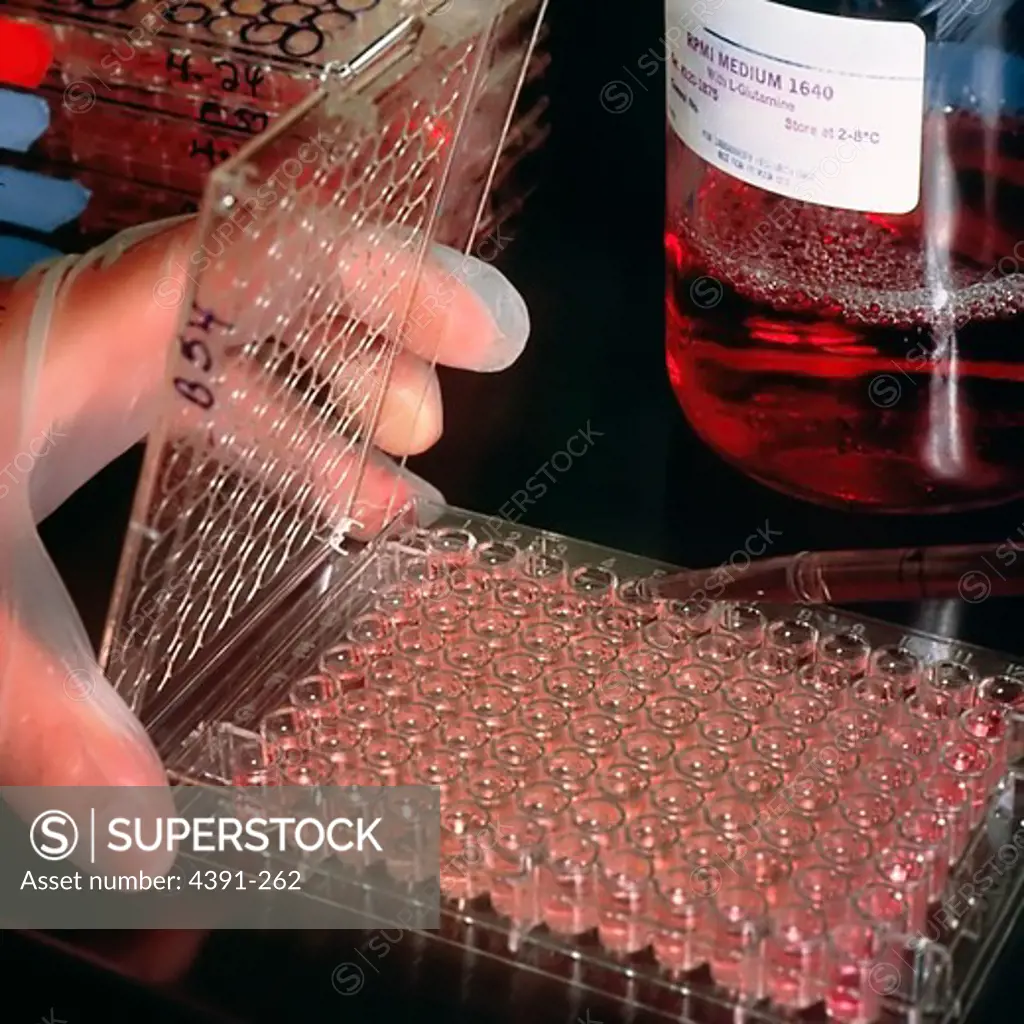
x: 850, y: 998
x: 804, y: 343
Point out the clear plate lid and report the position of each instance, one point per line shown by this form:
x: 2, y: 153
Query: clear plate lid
x: 306, y: 270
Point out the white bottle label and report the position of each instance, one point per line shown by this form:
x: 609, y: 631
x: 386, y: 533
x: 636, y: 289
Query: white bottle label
x: 815, y: 107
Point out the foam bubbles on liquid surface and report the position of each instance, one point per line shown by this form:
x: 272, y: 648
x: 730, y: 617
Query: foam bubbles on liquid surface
x: 798, y: 257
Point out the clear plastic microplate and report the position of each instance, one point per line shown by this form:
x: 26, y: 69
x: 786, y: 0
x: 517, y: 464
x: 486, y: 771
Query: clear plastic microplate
x: 692, y: 809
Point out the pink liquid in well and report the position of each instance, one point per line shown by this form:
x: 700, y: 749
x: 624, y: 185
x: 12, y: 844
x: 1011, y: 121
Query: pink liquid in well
x: 735, y: 966
x: 622, y: 932
x: 849, y: 998
x: 680, y: 922
x: 678, y: 951
x: 672, y: 757
x: 514, y: 897
x: 793, y: 977
x: 795, y: 955
x: 566, y: 912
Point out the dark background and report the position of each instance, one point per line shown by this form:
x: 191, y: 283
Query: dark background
x: 587, y: 256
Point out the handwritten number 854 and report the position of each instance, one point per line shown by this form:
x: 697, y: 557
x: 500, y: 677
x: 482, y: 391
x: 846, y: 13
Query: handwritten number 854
x: 198, y: 353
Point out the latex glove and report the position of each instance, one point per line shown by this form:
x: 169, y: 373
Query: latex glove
x: 94, y: 390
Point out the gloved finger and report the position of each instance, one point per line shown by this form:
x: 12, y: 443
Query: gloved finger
x: 407, y: 411
x: 458, y: 311
x: 385, y: 488
x: 411, y: 416
x: 61, y: 723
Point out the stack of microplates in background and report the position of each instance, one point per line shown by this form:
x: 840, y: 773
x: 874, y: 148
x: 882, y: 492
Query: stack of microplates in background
x: 32, y: 205
x: 727, y: 805
x: 144, y: 98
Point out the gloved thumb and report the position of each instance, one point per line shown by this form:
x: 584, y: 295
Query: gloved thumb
x: 61, y: 722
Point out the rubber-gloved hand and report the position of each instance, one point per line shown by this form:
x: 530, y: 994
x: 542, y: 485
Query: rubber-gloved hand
x: 83, y: 349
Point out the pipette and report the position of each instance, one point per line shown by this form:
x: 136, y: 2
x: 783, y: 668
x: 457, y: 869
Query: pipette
x: 973, y: 572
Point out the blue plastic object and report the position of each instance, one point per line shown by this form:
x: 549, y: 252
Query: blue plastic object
x: 23, y: 119
x: 19, y: 255
x: 38, y: 203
